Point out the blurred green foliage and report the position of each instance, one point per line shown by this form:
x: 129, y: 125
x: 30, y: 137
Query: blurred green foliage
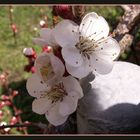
x: 27, y: 19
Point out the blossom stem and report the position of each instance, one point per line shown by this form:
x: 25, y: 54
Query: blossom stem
x: 78, y: 12
x: 11, y: 23
x: 15, y: 125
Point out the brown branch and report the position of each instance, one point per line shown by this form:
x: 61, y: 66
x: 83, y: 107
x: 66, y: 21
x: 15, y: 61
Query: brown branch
x: 123, y: 32
x: 78, y: 12
x: 15, y: 125
x: 40, y: 125
x: 125, y: 7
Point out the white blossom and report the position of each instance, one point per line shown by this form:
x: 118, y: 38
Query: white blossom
x: 57, y: 102
x: 86, y: 47
x: 49, y: 67
x: 46, y: 38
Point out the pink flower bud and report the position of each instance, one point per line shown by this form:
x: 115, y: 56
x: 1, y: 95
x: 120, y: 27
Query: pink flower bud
x: 47, y: 49
x: 2, y: 104
x: 4, y: 97
x: 64, y: 11
x: 42, y: 24
x: 29, y: 52
x: 8, y: 103
x: 14, y: 28
x: 15, y: 93
x: 14, y: 120
x: 1, y: 113
x: 33, y: 69
x: 27, y: 122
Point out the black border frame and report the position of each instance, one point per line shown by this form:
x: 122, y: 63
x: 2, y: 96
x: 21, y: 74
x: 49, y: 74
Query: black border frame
x: 69, y: 137
x: 77, y: 136
x: 69, y: 1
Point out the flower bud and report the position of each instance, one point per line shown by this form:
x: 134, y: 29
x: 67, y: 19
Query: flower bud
x: 47, y: 49
x: 64, y: 11
x: 14, y: 28
x: 1, y: 115
x: 4, y: 97
x: 15, y: 93
x: 14, y: 120
x: 2, y: 104
x: 42, y: 24
x: 33, y: 69
x: 8, y: 103
x: 29, y: 52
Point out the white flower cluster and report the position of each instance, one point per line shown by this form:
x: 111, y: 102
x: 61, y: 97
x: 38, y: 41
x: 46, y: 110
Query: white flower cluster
x: 84, y: 49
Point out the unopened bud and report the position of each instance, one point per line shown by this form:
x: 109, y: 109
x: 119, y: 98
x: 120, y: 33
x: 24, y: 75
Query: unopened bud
x: 47, y: 49
x: 2, y: 104
x: 15, y: 93
x: 8, y: 103
x: 14, y: 28
x: 14, y: 120
x: 4, y: 97
x: 33, y: 69
x: 28, y: 51
x: 64, y: 11
x: 1, y: 113
x: 42, y: 24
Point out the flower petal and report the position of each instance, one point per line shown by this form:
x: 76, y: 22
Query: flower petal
x: 72, y: 84
x: 72, y: 56
x: 109, y: 48
x: 41, y: 105
x: 101, y: 65
x: 40, y: 41
x: 41, y: 61
x: 68, y: 105
x: 28, y: 51
x: 35, y: 86
x: 47, y: 35
x: 65, y: 33
x: 85, y: 24
x: 53, y: 67
x: 94, y: 27
x: 54, y: 117
x: 81, y: 71
x: 57, y: 65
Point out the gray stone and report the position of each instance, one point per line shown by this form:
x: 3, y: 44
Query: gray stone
x: 111, y: 102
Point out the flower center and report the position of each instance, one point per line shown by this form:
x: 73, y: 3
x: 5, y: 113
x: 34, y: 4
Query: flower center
x: 57, y: 93
x: 47, y: 71
x: 86, y: 46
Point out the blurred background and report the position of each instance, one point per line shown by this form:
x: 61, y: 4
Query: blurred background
x: 18, y: 25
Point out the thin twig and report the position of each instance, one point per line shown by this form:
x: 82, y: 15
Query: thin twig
x: 16, y: 125
x: 11, y: 23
